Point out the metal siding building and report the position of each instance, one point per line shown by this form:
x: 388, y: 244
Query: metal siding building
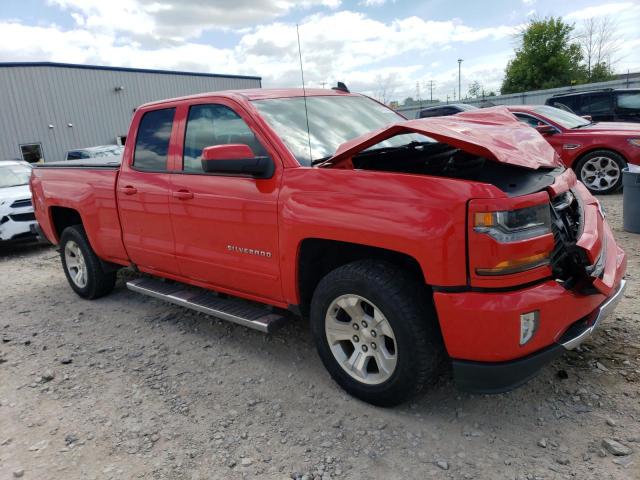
x: 63, y: 106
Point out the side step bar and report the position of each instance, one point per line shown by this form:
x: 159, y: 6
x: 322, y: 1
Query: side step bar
x: 242, y: 312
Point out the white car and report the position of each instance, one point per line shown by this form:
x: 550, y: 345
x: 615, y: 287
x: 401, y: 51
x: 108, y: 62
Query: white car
x: 95, y: 152
x: 17, y: 220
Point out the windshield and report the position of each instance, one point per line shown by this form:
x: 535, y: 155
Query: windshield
x: 332, y: 121
x: 562, y: 118
x: 14, y: 175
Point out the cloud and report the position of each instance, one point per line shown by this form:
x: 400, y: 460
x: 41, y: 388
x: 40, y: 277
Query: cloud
x: 373, y: 3
x: 179, y: 19
x: 603, y: 10
x: 168, y: 35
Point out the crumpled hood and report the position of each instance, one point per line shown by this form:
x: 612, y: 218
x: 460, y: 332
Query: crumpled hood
x: 493, y: 133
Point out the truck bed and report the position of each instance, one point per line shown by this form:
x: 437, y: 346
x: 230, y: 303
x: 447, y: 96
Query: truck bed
x: 84, y: 186
x: 101, y: 163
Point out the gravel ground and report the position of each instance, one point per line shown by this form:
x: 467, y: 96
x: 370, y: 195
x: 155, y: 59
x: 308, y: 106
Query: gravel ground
x: 130, y: 387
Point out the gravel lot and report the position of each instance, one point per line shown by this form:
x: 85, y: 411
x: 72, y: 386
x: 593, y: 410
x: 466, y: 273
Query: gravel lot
x: 130, y: 387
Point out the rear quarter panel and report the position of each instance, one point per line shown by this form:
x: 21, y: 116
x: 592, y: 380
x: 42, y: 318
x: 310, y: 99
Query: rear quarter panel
x: 590, y: 142
x: 420, y: 216
x: 91, y: 192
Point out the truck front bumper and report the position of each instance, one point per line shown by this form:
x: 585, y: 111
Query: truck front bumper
x: 497, y: 377
x: 482, y: 329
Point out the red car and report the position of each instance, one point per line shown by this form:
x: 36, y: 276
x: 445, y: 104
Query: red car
x: 404, y: 242
x: 597, y: 151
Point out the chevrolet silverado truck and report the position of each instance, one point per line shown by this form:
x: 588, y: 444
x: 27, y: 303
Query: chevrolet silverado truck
x: 406, y: 243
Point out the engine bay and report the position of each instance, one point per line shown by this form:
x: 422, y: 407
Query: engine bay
x: 442, y: 160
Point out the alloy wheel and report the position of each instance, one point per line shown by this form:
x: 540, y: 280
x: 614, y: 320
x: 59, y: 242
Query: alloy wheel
x: 75, y: 262
x: 361, y: 339
x: 600, y: 173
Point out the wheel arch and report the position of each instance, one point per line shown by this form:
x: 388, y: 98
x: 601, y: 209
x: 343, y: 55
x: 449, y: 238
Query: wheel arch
x: 317, y: 257
x: 593, y: 148
x: 63, y: 217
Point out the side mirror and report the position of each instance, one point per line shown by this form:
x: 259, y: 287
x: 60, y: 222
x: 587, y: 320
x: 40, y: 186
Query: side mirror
x: 588, y: 118
x: 236, y: 159
x: 545, y: 129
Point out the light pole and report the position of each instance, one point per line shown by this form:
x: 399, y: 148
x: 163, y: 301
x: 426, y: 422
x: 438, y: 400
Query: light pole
x: 459, y: 89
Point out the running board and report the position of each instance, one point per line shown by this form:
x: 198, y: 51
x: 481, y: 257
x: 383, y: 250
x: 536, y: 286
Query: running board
x: 236, y: 310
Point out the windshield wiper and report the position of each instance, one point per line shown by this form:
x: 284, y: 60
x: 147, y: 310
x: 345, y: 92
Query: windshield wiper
x: 411, y: 145
x: 316, y: 161
x: 407, y: 146
x: 581, y: 126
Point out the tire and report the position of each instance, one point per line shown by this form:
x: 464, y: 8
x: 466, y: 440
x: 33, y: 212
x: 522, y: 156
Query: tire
x: 81, y: 265
x: 405, y: 304
x: 601, y: 171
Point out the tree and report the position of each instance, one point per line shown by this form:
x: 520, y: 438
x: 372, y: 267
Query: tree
x: 600, y: 44
x: 475, y: 89
x: 547, y: 57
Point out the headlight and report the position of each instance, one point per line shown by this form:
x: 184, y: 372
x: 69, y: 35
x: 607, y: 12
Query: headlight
x: 634, y: 141
x: 515, y: 225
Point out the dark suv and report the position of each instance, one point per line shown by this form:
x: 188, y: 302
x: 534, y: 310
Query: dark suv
x: 444, y: 110
x: 608, y: 105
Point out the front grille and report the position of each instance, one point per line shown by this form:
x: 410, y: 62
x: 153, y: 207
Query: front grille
x: 568, y: 261
x: 23, y: 217
x: 21, y: 203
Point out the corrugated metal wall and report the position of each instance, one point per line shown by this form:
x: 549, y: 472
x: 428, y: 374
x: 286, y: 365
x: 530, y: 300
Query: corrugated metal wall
x: 536, y: 97
x: 32, y: 97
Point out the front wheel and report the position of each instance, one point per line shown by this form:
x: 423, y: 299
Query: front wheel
x: 82, y: 266
x: 376, y: 331
x: 601, y: 171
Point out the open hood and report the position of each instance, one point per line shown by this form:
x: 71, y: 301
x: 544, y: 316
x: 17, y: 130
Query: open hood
x: 492, y: 133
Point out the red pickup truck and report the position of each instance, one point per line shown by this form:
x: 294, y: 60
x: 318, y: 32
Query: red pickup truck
x: 405, y: 243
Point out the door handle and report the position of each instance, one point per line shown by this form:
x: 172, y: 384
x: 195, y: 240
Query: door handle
x: 182, y: 194
x: 129, y: 190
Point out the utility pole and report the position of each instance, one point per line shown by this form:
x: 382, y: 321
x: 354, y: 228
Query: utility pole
x: 454, y: 94
x: 430, y: 91
x: 323, y: 84
x: 459, y: 87
x: 447, y: 99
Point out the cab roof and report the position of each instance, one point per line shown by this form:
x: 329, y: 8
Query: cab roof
x: 259, y: 94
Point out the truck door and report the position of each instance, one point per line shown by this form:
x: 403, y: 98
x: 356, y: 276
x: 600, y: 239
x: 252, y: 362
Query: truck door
x: 143, y: 194
x: 225, y: 226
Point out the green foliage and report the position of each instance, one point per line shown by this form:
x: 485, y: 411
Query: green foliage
x: 601, y: 72
x: 547, y: 58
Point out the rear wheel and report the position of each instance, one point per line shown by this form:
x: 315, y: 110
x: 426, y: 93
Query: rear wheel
x: 601, y: 171
x: 376, y: 331
x: 81, y: 265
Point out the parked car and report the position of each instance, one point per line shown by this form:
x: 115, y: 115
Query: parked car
x: 405, y: 242
x: 606, y: 105
x: 95, y: 152
x: 597, y: 151
x: 17, y: 220
x: 443, y: 110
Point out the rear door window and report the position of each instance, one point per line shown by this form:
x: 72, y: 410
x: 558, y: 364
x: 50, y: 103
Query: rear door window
x: 152, y: 142
x: 595, y: 103
x: 572, y: 103
x: 210, y: 125
x: 629, y: 101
